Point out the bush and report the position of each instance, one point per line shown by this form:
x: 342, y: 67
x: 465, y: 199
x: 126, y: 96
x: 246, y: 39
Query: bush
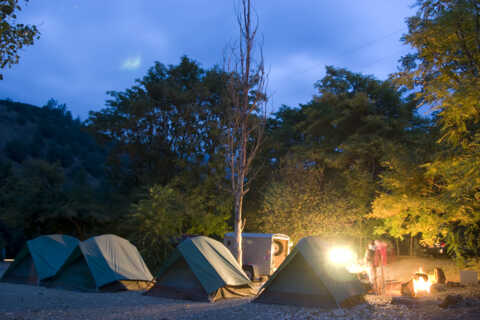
x: 165, y: 215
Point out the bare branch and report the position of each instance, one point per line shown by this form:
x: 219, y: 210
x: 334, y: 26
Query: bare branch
x: 247, y: 113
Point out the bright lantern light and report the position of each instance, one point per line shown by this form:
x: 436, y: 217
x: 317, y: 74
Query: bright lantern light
x: 342, y: 256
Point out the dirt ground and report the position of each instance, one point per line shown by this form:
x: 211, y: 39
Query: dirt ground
x: 38, y: 303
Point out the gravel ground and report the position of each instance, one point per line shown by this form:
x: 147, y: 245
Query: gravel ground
x: 38, y: 303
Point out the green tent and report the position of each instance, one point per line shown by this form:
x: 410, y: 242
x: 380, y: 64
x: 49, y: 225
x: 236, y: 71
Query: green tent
x: 40, y: 258
x: 202, y: 269
x: 103, y: 263
x: 307, y: 278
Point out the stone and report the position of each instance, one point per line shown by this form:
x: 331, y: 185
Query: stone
x: 450, y: 300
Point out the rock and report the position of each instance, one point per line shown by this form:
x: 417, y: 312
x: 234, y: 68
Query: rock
x: 438, y: 287
x: 450, y: 300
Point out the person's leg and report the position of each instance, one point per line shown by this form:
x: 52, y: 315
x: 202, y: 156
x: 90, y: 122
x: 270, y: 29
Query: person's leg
x: 375, y: 279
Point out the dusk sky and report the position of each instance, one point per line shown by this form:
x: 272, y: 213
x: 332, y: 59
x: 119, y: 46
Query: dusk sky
x: 88, y: 47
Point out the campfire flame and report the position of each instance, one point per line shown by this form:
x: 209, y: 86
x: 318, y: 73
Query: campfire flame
x: 420, y: 284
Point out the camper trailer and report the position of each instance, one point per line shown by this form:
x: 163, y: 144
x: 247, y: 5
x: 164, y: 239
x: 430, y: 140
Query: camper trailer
x: 263, y: 253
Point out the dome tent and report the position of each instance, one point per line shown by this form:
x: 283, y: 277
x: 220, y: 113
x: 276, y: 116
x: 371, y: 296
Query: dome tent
x: 202, y: 269
x: 307, y: 278
x: 103, y: 263
x: 40, y: 258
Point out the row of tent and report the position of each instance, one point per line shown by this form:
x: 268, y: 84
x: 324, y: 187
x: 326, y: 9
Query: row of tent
x: 102, y: 263
x: 200, y: 268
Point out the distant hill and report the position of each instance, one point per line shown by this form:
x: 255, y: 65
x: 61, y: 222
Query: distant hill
x: 52, y: 177
x: 49, y: 133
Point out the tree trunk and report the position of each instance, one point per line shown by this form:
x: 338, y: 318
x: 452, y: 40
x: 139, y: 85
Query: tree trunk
x: 244, y: 134
x: 411, y: 246
x: 397, y: 244
x: 238, y: 228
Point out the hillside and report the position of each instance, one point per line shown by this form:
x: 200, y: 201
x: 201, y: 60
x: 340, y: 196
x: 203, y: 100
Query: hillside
x: 52, y: 177
x: 48, y: 133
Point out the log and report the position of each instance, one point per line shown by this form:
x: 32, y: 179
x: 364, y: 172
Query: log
x: 439, y: 276
x: 407, y: 289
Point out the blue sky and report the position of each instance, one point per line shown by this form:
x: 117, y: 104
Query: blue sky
x: 88, y: 47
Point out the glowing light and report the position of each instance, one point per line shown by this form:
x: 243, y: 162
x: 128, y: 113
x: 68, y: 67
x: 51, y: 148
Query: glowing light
x: 356, y: 268
x: 342, y: 256
x: 421, y: 285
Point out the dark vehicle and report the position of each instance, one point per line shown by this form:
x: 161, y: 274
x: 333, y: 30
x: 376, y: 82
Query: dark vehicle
x: 437, y: 250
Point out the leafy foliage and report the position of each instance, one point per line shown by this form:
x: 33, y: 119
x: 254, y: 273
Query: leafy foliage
x: 445, y: 69
x: 169, y: 122
x: 13, y: 36
x: 167, y: 213
x: 45, y: 182
x: 407, y: 202
x: 166, y: 134
x: 328, y: 155
x: 36, y: 199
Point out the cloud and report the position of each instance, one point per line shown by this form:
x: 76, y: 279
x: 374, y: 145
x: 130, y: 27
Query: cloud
x: 132, y: 63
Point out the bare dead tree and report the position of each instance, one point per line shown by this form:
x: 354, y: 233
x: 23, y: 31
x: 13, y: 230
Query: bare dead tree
x: 246, y: 121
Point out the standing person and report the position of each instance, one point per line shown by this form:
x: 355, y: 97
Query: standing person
x: 381, y: 247
x: 370, y: 262
x: 380, y: 261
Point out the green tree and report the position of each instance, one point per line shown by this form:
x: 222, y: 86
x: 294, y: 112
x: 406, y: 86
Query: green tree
x: 444, y: 69
x: 171, y: 121
x: 407, y: 202
x: 32, y: 196
x: 167, y: 213
x: 328, y: 154
x: 37, y: 198
x: 301, y: 201
x: 13, y: 36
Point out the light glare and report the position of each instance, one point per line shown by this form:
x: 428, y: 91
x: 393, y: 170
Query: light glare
x: 342, y: 256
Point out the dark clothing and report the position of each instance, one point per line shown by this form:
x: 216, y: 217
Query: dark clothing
x: 370, y: 256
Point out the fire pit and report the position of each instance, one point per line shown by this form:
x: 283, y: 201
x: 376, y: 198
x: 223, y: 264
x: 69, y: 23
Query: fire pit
x: 421, y: 283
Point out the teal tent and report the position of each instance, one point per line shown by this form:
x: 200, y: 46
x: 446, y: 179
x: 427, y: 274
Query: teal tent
x: 40, y: 258
x: 103, y: 263
x: 202, y: 269
x: 307, y: 278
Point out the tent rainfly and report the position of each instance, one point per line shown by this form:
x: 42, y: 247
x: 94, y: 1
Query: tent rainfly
x: 202, y: 269
x: 103, y: 263
x: 40, y: 258
x: 306, y: 278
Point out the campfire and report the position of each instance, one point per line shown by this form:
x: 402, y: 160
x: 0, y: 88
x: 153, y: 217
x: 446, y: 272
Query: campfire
x: 421, y: 283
